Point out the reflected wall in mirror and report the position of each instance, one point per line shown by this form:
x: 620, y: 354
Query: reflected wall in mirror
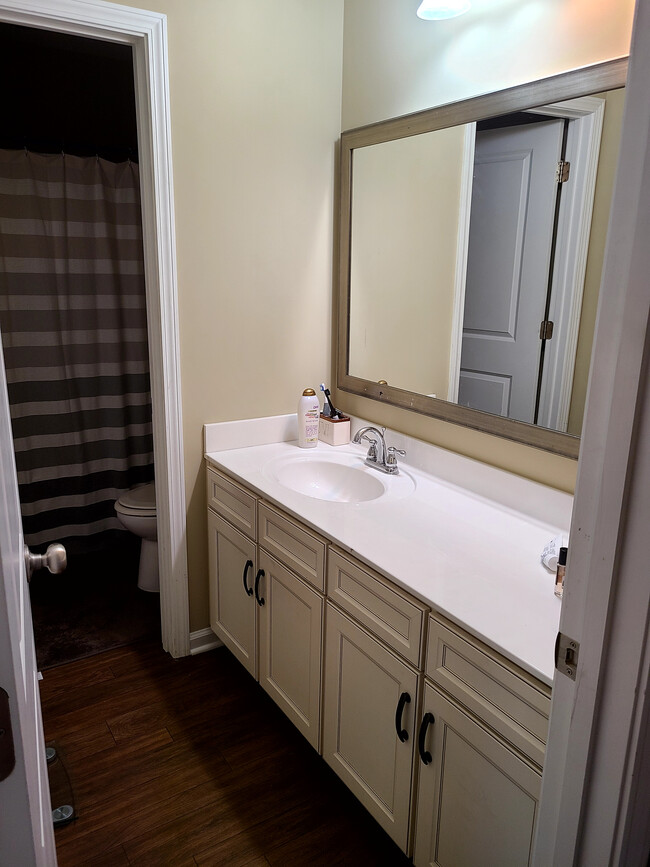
x: 459, y: 247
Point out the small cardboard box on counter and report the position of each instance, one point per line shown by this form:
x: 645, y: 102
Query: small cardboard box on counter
x: 334, y: 431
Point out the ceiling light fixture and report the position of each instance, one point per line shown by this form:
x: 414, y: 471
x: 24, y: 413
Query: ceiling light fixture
x: 436, y: 10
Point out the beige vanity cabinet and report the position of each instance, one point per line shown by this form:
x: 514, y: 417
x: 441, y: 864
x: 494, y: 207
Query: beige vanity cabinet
x: 370, y: 701
x: 481, y: 736
x: 266, y: 597
x: 440, y: 737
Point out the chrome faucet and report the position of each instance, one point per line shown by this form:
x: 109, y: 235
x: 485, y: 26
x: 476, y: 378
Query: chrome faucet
x: 379, y: 456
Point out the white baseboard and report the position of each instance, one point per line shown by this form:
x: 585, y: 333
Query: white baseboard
x: 202, y: 640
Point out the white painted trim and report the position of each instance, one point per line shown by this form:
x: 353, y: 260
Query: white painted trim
x: 146, y: 32
x: 202, y: 640
x: 462, y: 246
x: 574, y: 230
x: 596, y: 737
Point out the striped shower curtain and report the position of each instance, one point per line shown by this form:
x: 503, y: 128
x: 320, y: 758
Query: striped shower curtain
x: 74, y: 335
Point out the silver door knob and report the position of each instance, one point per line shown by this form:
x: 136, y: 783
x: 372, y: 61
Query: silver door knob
x: 55, y: 559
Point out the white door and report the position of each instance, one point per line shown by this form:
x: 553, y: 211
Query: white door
x: 510, y: 238
x: 26, y: 831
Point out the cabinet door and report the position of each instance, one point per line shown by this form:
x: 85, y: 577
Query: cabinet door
x: 477, y: 798
x: 233, y: 566
x: 291, y: 633
x: 365, y: 686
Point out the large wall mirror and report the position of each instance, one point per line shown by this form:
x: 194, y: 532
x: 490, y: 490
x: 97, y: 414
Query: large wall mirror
x: 471, y: 249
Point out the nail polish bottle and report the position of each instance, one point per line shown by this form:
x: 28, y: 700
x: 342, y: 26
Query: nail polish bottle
x: 559, y: 575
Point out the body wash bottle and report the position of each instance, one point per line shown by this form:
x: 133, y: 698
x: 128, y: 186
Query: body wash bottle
x: 308, y: 418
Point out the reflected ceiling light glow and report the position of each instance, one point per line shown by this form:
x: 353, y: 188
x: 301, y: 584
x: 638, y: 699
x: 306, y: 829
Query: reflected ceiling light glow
x: 436, y: 10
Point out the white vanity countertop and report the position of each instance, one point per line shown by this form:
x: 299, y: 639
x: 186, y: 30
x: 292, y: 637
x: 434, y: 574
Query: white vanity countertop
x: 473, y: 558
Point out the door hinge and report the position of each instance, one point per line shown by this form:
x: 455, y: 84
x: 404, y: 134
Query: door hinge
x: 566, y: 655
x: 562, y: 172
x: 546, y: 330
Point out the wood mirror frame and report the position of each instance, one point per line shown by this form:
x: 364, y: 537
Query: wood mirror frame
x: 583, y: 82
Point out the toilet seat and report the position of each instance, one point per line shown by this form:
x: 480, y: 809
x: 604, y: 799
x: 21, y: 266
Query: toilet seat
x: 139, y: 501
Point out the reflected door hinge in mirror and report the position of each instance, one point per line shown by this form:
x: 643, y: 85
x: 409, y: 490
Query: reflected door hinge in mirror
x: 546, y: 330
x: 566, y: 655
x: 562, y: 172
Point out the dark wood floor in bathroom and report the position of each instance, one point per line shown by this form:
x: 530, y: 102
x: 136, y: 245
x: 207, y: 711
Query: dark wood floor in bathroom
x: 188, y: 762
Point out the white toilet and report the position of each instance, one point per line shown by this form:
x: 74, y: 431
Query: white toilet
x: 136, y: 511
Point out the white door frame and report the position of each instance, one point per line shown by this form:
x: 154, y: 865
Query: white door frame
x: 146, y: 32
x: 571, y: 257
x: 592, y: 808
x: 574, y: 231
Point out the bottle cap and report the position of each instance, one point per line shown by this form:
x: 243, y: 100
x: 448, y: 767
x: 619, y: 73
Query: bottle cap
x: 561, y: 560
x: 308, y: 392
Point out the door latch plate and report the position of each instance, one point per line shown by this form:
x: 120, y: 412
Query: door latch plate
x: 566, y: 655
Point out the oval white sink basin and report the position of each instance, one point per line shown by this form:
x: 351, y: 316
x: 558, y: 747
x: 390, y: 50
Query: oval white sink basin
x: 341, y: 478
x: 329, y: 481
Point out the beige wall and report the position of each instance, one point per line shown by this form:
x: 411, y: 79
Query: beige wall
x: 394, y: 64
x: 255, y: 91
x: 406, y: 197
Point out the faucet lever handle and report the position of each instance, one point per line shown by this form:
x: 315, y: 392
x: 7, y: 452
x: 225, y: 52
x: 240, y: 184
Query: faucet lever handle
x: 391, y: 460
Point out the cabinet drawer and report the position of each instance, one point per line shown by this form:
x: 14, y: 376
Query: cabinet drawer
x: 513, y: 703
x: 385, y: 611
x: 294, y: 546
x: 232, y: 502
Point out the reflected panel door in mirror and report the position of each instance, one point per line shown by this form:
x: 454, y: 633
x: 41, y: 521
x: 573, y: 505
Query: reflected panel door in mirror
x: 511, y: 236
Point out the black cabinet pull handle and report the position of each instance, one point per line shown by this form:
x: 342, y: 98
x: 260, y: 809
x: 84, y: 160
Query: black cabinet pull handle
x: 260, y: 574
x: 249, y: 565
x: 427, y: 720
x: 402, y: 734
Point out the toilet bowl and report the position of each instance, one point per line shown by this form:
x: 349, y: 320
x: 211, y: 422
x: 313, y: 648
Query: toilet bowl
x: 136, y: 511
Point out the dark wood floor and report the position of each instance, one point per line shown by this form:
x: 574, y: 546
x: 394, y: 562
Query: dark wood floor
x: 188, y: 762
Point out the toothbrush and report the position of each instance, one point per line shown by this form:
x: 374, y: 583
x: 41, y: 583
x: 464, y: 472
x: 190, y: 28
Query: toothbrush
x: 334, y: 413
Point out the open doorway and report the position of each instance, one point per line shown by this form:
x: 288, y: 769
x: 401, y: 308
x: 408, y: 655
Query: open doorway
x: 145, y: 33
x: 74, y: 331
